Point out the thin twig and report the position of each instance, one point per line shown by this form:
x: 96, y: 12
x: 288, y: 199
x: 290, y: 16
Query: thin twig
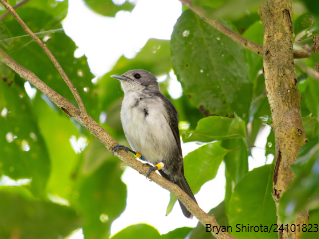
x: 252, y: 46
x: 4, y: 15
x: 50, y: 55
x: 109, y: 143
x: 311, y: 72
x: 316, y: 49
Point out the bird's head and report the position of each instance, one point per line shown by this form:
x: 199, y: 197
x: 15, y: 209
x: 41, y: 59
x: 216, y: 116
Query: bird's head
x: 137, y: 80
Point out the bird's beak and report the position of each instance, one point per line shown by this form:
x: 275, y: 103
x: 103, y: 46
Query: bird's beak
x: 118, y: 77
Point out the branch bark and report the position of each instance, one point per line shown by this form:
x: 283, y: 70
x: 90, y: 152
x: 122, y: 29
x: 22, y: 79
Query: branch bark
x: 4, y: 15
x: 50, y: 55
x: 283, y: 96
x: 316, y: 48
x: 109, y: 143
x: 252, y: 46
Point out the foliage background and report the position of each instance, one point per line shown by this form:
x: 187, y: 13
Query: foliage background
x: 223, y: 107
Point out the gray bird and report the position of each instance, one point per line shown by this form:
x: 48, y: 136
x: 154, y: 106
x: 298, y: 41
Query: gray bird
x: 150, y: 123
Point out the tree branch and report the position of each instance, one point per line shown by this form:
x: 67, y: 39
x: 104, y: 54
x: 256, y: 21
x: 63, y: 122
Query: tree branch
x: 311, y: 72
x: 252, y: 46
x: 109, y: 143
x: 50, y: 55
x: 283, y: 96
x: 316, y: 49
x: 4, y: 15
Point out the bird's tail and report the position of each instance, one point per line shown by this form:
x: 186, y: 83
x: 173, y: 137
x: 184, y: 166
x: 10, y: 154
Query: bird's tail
x: 182, y: 183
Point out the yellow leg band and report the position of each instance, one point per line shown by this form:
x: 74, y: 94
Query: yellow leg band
x: 138, y: 154
x: 159, y: 166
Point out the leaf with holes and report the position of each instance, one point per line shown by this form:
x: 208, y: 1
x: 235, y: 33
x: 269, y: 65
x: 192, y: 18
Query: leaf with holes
x: 212, y: 68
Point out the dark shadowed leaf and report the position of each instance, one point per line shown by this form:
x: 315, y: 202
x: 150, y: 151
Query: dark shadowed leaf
x: 24, y: 217
x: 199, y: 232
x: 303, y: 193
x: 217, y: 127
x: 108, y: 7
x: 31, y: 56
x: 23, y: 151
x: 252, y: 203
x: 211, y: 67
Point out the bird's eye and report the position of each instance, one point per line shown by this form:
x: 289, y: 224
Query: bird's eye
x: 137, y: 76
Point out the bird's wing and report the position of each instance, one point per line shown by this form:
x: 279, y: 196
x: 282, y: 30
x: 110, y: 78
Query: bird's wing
x: 172, y: 120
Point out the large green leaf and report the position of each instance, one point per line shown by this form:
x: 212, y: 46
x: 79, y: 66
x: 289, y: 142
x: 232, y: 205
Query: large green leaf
x: 199, y: 232
x: 24, y: 217
x: 23, y: 151
x: 251, y: 203
x: 201, y: 166
x: 57, y: 131
x: 178, y: 233
x: 108, y: 7
x: 211, y: 67
x: 31, y: 56
x: 217, y: 127
x: 101, y: 198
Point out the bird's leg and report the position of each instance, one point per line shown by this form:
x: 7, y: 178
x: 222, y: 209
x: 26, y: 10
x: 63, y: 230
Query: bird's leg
x: 156, y: 167
x: 118, y: 147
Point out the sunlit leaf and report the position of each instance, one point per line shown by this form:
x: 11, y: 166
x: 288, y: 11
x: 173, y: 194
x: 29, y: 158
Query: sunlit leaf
x: 108, y: 7
x: 217, y: 127
x: 252, y: 203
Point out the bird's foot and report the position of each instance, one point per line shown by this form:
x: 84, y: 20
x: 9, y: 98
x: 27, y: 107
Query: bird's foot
x: 118, y: 147
x: 156, y: 167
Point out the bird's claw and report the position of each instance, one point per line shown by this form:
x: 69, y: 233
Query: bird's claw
x: 118, y: 147
x: 150, y: 170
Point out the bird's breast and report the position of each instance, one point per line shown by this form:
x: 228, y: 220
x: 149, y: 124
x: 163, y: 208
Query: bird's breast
x: 146, y: 128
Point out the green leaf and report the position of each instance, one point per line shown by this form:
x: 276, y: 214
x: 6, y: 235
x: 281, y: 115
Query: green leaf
x: 311, y: 126
x: 23, y: 151
x: 255, y: 34
x: 201, y: 166
x: 62, y: 47
x: 22, y: 216
x: 101, y: 198
x: 57, y: 130
x: 178, y: 233
x: 95, y: 155
x: 211, y: 67
x: 236, y: 159
x: 217, y: 127
x: 303, y: 194
x: 303, y: 22
x: 312, y: 97
x: 172, y: 201
x: 252, y: 203
x: 108, y: 7
x: 199, y: 232
x: 58, y: 9
x: 141, y: 231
